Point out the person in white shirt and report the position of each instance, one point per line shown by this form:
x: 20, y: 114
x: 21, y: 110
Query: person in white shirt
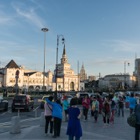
x: 48, y: 116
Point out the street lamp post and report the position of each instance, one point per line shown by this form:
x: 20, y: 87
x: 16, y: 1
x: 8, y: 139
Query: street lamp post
x: 16, y: 85
x: 44, y: 30
x: 125, y: 64
x: 58, y: 36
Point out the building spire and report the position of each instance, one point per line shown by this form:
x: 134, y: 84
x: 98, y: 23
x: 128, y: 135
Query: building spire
x: 82, y: 66
x: 64, y: 57
x: 64, y: 50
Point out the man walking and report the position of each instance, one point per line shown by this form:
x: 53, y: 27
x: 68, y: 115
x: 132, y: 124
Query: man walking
x: 137, y: 128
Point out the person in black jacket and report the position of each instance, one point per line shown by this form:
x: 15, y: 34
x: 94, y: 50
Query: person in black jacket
x: 121, y: 106
x: 137, y: 128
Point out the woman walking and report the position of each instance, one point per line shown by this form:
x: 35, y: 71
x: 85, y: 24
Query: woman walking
x: 65, y: 107
x: 113, y: 109
x: 48, y: 116
x: 57, y: 115
x: 137, y: 128
x: 95, y: 108
x: 74, y: 129
x: 106, y: 111
x: 86, y: 105
x: 132, y: 103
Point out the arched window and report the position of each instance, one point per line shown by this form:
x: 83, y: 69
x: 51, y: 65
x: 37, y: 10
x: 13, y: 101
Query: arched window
x: 31, y: 88
x: 72, y: 86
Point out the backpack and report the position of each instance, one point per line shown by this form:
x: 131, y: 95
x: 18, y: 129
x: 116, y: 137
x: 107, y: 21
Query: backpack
x: 131, y: 120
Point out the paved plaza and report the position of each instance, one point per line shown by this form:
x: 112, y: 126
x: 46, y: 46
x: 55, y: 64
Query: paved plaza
x: 91, y: 131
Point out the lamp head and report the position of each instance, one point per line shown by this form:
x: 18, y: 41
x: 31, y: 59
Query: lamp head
x: 63, y: 40
x: 44, y: 29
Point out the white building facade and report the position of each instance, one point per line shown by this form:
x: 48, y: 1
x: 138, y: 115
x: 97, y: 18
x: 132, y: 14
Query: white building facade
x: 31, y: 80
x: 27, y: 79
x: 67, y: 80
x: 117, y: 81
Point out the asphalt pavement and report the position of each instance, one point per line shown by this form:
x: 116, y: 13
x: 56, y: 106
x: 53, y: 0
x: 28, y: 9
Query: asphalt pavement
x: 120, y: 130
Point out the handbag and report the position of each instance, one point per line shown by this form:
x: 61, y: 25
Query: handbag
x: 49, y: 107
x: 52, y: 119
x: 131, y: 120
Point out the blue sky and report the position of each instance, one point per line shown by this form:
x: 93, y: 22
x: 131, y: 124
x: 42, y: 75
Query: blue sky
x: 101, y: 34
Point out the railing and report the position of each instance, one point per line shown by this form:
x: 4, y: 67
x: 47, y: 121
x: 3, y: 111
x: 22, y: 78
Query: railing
x: 35, y: 110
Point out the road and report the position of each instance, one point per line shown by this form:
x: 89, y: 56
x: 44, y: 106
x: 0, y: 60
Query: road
x: 120, y: 130
x: 6, y: 116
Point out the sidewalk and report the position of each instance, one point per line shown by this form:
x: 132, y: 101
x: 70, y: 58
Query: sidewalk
x: 91, y: 131
x: 37, y: 133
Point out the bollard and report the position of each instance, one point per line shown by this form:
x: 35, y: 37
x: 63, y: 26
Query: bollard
x: 42, y: 120
x: 18, y: 112
x: 81, y: 110
x: 35, y: 113
x: 15, y: 125
x: 35, y: 110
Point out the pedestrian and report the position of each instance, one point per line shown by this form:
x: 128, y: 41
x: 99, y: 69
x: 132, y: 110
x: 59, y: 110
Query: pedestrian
x: 106, y: 111
x: 121, y: 106
x: 113, y: 109
x: 95, y: 108
x: 100, y: 100
x: 137, y: 98
x: 137, y: 128
x: 86, y: 105
x: 65, y: 107
x: 57, y: 115
x: 127, y: 97
x: 116, y: 99
x: 48, y: 116
x: 74, y: 129
x: 132, y: 103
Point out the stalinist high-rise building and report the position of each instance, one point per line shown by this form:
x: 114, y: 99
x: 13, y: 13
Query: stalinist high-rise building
x: 66, y: 79
x: 83, y: 75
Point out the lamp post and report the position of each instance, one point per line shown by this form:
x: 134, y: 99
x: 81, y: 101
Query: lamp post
x: 125, y: 64
x: 63, y: 40
x: 16, y: 85
x: 44, y: 30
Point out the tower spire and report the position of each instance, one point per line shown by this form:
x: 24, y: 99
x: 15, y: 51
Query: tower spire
x: 64, y: 50
x: 64, y: 57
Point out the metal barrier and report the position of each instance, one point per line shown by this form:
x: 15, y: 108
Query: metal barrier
x: 35, y: 110
x: 42, y: 120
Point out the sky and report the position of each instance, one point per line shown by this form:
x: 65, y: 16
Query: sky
x: 103, y: 35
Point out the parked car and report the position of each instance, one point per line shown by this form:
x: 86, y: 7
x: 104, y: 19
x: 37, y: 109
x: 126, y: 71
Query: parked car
x: 22, y: 101
x: 43, y: 100
x: 3, y: 104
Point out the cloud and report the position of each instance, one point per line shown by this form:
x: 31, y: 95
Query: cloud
x: 5, y: 18
x: 29, y: 14
x: 121, y: 45
x: 110, y: 61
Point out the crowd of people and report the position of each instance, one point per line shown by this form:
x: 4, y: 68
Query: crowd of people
x: 108, y: 107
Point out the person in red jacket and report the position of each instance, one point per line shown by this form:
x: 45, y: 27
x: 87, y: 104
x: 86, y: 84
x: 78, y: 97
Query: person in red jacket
x: 86, y: 105
x: 106, y: 111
